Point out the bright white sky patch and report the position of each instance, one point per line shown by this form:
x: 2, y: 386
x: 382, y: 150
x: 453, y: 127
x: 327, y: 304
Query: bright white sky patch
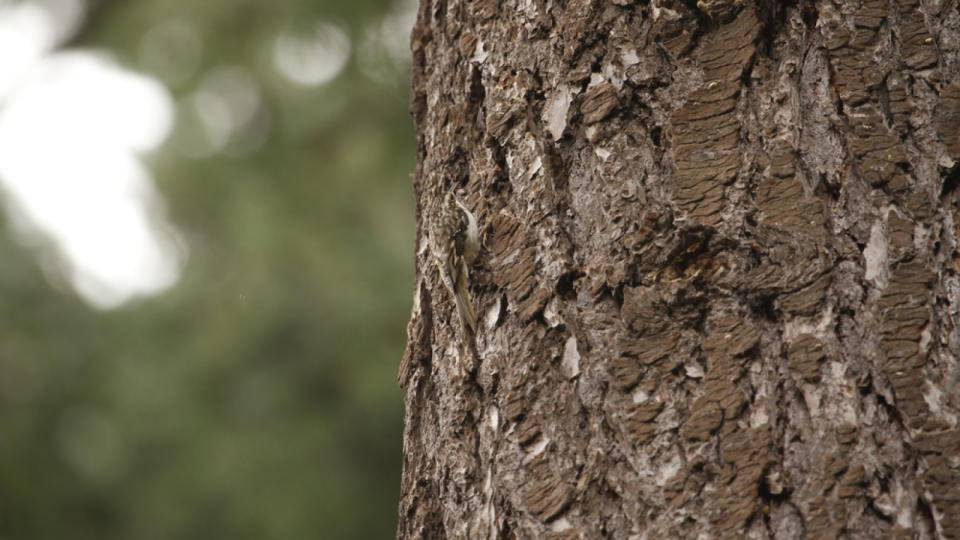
x: 312, y: 59
x: 70, y: 130
x: 29, y: 30
x: 26, y: 33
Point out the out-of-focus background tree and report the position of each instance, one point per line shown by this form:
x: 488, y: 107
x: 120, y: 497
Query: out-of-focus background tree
x: 205, y: 267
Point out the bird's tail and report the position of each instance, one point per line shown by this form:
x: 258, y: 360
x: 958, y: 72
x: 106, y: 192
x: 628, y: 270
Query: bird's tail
x: 465, y: 307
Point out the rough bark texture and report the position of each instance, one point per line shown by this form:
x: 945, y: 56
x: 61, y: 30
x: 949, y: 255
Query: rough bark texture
x: 719, y: 291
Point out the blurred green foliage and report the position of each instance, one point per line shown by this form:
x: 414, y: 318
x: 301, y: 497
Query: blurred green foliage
x: 257, y: 398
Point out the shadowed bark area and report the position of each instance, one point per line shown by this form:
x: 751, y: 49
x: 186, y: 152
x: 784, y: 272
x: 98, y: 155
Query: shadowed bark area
x: 718, y: 294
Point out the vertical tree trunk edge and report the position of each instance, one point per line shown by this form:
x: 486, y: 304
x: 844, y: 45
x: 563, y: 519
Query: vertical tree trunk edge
x: 719, y: 289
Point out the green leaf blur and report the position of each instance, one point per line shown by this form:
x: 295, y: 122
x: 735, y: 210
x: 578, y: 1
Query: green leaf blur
x: 257, y: 398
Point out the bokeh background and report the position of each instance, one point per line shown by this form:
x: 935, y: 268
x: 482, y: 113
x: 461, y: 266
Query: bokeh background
x: 205, y: 267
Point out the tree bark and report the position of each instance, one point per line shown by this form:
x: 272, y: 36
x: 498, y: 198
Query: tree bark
x: 718, y: 293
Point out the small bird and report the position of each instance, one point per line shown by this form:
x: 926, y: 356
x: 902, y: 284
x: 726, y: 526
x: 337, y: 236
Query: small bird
x: 454, y: 245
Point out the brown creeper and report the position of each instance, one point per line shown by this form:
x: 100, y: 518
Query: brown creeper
x: 454, y: 244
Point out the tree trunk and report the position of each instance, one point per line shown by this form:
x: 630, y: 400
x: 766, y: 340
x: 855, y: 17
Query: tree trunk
x: 718, y: 291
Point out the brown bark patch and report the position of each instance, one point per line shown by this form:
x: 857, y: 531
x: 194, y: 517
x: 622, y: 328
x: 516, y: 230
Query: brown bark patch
x: 706, y: 129
x: 805, y: 356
